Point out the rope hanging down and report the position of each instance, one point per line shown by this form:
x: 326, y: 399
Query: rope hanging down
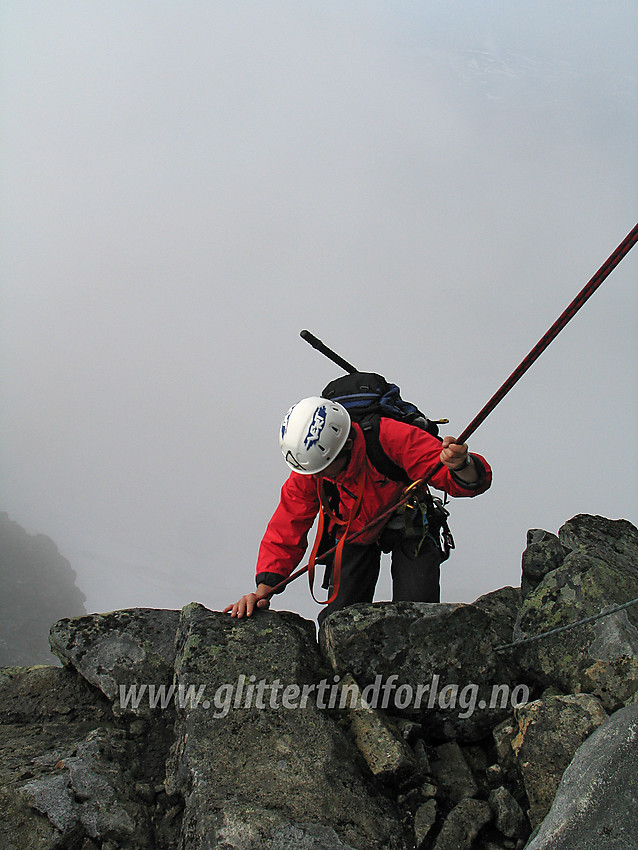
x: 586, y: 292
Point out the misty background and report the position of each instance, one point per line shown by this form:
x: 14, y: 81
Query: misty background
x: 423, y: 185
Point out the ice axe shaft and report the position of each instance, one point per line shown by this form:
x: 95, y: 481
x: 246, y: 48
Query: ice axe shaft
x: 327, y: 352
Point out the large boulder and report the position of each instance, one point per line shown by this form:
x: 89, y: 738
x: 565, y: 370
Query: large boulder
x: 127, y: 654
x: 434, y: 662
x: 613, y: 541
x: 596, y: 805
x: 258, y: 759
x: 600, y: 571
x: 550, y: 730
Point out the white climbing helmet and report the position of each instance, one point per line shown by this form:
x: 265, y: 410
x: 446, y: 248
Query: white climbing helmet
x: 313, y: 433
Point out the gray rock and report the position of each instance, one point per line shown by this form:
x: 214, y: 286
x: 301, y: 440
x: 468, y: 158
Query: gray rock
x: 428, y: 791
x: 82, y: 795
x: 550, y: 732
x: 452, y: 773
x: 463, y: 825
x: 409, y: 729
x: 256, y: 758
x: 501, y: 607
x: 65, y: 775
x: 433, y: 662
x: 599, y: 657
x: 613, y: 541
x: 424, y: 820
x: 53, y: 797
x: 478, y: 760
x: 120, y: 650
x: 36, y: 694
x: 504, y: 735
x: 76, y: 786
x: 543, y: 554
x: 506, y: 770
x: 306, y: 837
x: 633, y: 700
x: 235, y: 831
x: 422, y: 758
x: 384, y: 750
x: 596, y: 805
x: 494, y: 776
x: 509, y: 818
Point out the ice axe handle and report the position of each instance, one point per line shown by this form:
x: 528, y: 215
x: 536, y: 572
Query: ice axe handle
x: 328, y: 352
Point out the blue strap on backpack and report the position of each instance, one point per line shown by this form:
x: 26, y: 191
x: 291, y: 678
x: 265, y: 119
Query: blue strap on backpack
x: 368, y: 396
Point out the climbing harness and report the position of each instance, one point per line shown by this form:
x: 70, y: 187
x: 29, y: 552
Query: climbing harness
x: 424, y: 517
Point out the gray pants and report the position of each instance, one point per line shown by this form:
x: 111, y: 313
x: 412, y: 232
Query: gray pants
x: 415, y: 577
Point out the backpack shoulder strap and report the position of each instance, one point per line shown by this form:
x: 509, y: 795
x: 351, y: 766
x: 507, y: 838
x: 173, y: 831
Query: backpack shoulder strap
x: 371, y: 426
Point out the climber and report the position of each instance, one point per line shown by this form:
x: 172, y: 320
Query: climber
x: 332, y: 474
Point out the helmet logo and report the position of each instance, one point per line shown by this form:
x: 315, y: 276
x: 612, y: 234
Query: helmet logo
x: 284, y: 424
x: 316, y: 427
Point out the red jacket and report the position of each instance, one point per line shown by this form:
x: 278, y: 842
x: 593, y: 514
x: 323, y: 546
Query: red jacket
x: 411, y: 448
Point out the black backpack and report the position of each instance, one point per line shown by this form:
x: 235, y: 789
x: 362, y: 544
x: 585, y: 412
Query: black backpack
x: 367, y: 397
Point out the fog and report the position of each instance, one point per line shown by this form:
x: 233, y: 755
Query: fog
x: 425, y: 186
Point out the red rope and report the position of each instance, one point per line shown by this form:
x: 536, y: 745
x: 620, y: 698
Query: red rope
x: 570, y: 311
x: 338, y: 549
x: 586, y: 292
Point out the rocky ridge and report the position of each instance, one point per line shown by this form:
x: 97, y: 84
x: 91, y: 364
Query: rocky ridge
x: 403, y: 725
x: 38, y: 587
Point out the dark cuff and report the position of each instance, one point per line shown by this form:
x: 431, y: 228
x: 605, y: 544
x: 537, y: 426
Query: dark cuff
x: 475, y: 485
x: 271, y: 579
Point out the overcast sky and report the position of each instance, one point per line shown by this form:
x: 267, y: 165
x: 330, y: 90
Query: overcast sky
x: 424, y: 185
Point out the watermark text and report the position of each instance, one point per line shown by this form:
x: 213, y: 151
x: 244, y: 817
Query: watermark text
x: 386, y: 694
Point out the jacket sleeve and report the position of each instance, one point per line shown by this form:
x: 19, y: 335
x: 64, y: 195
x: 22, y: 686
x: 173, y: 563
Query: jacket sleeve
x: 418, y: 453
x: 286, y: 537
